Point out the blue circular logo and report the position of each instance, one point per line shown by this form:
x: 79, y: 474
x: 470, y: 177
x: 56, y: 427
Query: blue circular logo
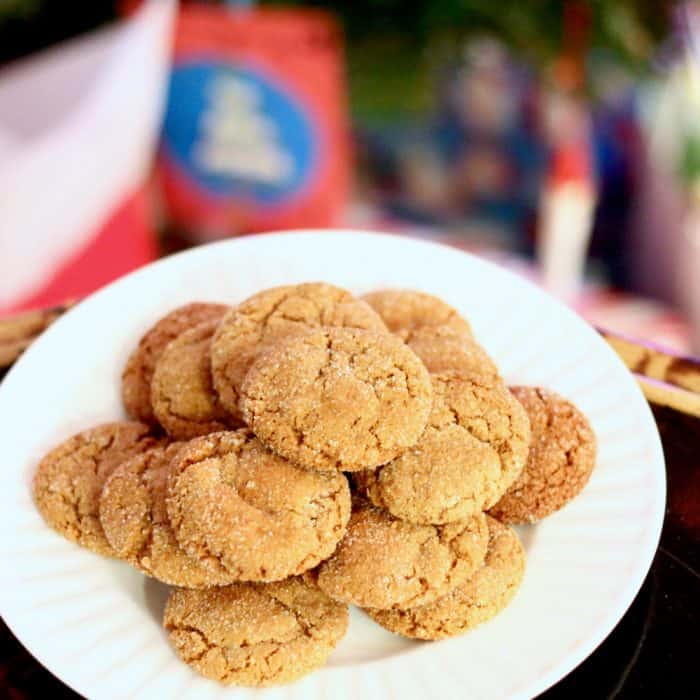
x: 236, y: 134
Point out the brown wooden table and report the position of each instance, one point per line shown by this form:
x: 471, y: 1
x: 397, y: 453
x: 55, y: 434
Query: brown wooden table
x: 652, y: 652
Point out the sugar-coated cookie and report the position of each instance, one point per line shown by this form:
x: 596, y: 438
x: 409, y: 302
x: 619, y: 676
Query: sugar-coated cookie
x: 561, y: 459
x: 255, y: 634
x: 404, y: 310
x: 443, y: 349
x: 138, y: 372
x: 383, y: 562
x: 483, y: 596
x: 135, y: 521
x: 273, y: 314
x: 338, y: 398
x: 69, y: 479
x: 182, y: 394
x: 475, y: 445
x: 248, y: 513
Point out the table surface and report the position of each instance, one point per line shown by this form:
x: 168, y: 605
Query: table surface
x: 653, y: 649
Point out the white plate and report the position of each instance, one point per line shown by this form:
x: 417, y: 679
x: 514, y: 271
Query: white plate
x: 96, y: 623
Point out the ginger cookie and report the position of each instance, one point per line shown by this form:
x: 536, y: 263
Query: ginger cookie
x: 443, y: 349
x: 273, y: 314
x: 561, y: 459
x: 135, y: 521
x: 405, y: 310
x: 482, y: 597
x: 138, y: 372
x: 338, y: 398
x: 182, y: 395
x: 475, y: 445
x: 69, y: 479
x: 255, y: 634
x: 249, y: 514
x: 383, y: 562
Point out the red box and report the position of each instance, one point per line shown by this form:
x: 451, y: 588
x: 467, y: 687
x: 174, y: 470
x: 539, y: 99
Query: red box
x: 255, y: 134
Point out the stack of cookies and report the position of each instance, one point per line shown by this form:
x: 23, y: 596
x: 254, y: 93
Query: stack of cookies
x: 306, y: 450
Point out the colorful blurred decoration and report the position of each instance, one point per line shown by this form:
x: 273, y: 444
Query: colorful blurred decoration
x: 689, y: 166
x: 487, y: 139
x: 255, y: 134
x: 78, y: 130
x: 475, y: 166
x: 568, y: 198
x: 666, y: 243
x: 560, y: 138
x: 532, y: 141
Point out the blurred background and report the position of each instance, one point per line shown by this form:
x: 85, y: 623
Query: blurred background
x: 559, y: 138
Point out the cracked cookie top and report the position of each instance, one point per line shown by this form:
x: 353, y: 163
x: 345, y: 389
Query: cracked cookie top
x: 443, y: 349
x: 338, y: 398
x: 138, y: 372
x: 479, y: 599
x: 255, y: 634
x: 135, y: 521
x: 245, y: 512
x: 182, y: 395
x: 383, y: 562
x: 560, y: 462
x: 69, y: 479
x: 273, y: 314
x: 474, y: 446
x: 404, y: 310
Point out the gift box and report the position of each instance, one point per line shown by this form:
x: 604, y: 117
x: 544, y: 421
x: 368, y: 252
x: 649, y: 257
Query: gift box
x: 255, y: 133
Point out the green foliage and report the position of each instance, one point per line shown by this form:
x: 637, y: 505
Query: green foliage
x: 628, y: 28
x: 689, y: 166
x: 14, y: 9
x: 394, y: 45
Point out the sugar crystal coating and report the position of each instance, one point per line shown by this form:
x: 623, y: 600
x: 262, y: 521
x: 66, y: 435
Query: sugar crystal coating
x: 138, y: 372
x: 443, y: 349
x: 475, y: 445
x: 384, y: 562
x: 182, y: 394
x: 338, y: 398
x: 69, y: 479
x: 135, y: 521
x: 405, y: 310
x: 265, y: 318
x: 247, y: 513
x: 560, y: 461
x: 255, y: 634
x: 481, y: 597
